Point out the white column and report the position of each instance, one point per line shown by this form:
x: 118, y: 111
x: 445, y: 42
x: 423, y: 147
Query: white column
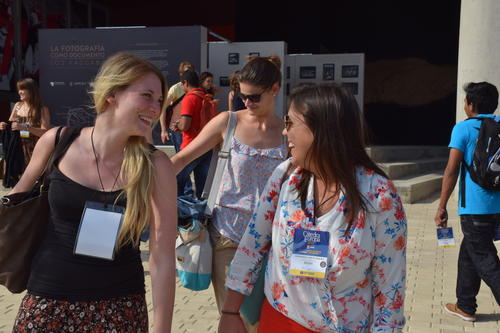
x: 479, y: 47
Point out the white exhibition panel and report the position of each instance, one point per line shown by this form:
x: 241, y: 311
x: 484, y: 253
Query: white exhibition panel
x: 226, y: 58
x: 348, y: 68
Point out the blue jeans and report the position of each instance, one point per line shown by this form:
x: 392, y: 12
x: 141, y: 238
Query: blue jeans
x: 477, y: 260
x: 200, y: 168
x: 176, y: 139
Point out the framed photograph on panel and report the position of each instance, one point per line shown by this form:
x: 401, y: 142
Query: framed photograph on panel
x: 233, y: 59
x: 307, y: 72
x: 224, y: 81
x: 328, y: 72
x: 353, y: 86
x: 287, y: 72
x: 350, y: 71
x: 254, y: 54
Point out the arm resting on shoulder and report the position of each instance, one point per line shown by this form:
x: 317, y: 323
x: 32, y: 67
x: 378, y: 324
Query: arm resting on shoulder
x: 163, y: 231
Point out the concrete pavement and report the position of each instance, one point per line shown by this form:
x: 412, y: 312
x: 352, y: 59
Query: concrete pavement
x: 431, y: 283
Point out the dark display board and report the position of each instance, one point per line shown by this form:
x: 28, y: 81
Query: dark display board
x: 70, y: 59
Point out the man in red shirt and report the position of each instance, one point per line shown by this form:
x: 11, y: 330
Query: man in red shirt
x: 190, y: 126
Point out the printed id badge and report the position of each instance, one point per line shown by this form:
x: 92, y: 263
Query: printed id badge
x: 24, y: 134
x: 98, y: 231
x: 310, y: 253
x: 445, y: 237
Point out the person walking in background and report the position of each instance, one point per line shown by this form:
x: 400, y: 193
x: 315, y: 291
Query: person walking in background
x: 478, y: 208
x: 174, y: 97
x: 170, y: 115
x: 190, y: 126
x: 207, y: 83
x: 105, y: 166
x: 29, y: 116
x: 234, y: 100
x: 332, y: 224
x: 256, y: 149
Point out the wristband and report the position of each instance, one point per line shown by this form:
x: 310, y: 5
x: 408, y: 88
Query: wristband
x: 230, y: 313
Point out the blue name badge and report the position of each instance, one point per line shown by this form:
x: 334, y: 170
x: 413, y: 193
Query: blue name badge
x: 445, y: 237
x: 310, y: 253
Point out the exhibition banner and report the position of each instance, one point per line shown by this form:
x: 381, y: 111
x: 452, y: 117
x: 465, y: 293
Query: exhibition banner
x: 70, y: 59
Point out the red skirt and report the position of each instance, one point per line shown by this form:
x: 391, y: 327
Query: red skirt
x: 271, y: 320
x: 123, y: 314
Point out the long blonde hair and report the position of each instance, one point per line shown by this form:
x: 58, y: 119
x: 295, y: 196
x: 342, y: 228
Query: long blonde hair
x: 137, y: 170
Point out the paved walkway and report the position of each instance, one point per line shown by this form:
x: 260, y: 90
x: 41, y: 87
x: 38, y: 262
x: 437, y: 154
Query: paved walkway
x: 431, y: 283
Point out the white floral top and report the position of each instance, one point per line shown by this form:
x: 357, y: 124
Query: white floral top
x: 364, y: 286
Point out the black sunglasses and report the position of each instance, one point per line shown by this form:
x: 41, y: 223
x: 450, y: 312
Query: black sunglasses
x: 254, y: 98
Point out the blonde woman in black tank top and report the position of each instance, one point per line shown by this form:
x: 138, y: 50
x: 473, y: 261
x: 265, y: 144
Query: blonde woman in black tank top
x: 110, y: 163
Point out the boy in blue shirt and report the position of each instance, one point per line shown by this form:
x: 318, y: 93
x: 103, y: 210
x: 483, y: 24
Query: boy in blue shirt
x: 480, y: 211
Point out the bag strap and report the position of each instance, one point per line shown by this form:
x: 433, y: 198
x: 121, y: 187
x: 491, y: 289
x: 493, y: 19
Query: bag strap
x: 62, y: 142
x: 217, y: 165
x: 462, y: 183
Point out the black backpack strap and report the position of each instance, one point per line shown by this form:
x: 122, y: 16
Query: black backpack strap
x: 174, y: 103
x: 464, y: 166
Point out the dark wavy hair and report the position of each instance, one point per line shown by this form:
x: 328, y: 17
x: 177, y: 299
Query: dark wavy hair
x: 338, y: 148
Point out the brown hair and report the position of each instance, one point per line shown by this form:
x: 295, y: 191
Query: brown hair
x: 261, y: 71
x: 184, y: 64
x: 234, y: 84
x: 34, y: 102
x: 338, y: 148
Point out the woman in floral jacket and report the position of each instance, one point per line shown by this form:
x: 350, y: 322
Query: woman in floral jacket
x: 333, y: 226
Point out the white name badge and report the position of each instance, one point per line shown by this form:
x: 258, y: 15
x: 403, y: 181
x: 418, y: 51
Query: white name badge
x: 24, y: 134
x: 310, y: 253
x: 98, y: 230
x: 445, y: 237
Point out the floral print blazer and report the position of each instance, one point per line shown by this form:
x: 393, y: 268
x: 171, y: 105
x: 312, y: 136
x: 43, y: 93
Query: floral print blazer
x: 364, y: 286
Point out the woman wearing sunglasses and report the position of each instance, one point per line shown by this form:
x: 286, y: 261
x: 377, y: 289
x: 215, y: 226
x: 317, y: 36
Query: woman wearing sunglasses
x: 256, y: 149
x: 333, y: 225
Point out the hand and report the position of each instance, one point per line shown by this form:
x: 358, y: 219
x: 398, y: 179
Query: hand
x: 231, y: 324
x: 3, y: 126
x: 164, y: 136
x: 175, y: 126
x: 16, y: 126
x: 441, y: 218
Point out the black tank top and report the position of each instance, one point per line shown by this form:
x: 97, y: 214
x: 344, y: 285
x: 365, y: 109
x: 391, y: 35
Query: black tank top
x: 59, y: 274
